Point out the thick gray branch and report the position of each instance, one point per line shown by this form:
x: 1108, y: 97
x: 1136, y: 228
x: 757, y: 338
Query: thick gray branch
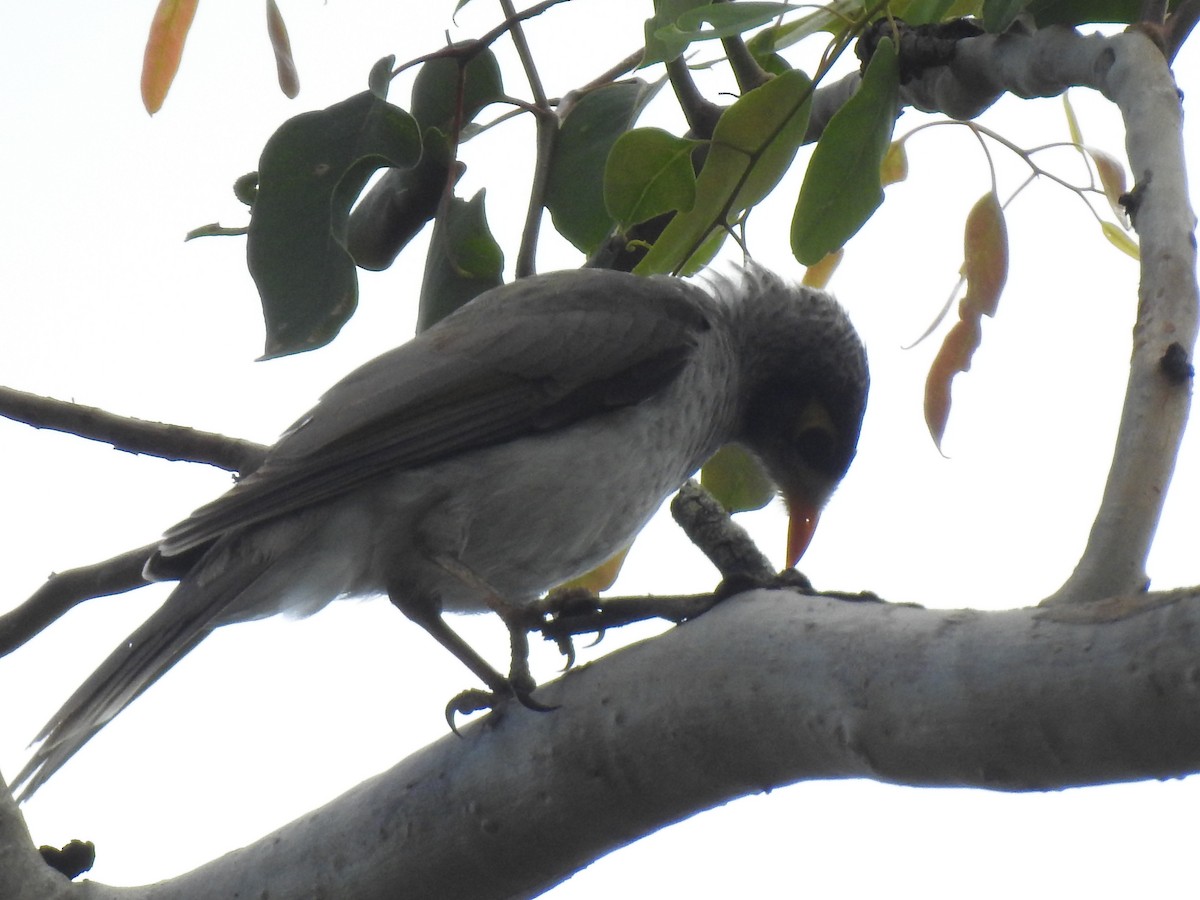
x: 767, y: 689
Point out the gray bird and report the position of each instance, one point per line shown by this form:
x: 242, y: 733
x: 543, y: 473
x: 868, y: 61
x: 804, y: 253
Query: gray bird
x: 514, y: 445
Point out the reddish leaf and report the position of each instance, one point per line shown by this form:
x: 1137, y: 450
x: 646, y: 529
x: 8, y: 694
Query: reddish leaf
x: 164, y: 48
x: 985, y: 254
x: 985, y: 267
x: 285, y: 65
x: 955, y: 356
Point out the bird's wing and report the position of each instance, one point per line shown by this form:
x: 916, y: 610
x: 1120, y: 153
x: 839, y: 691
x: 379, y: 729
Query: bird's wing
x: 528, y: 357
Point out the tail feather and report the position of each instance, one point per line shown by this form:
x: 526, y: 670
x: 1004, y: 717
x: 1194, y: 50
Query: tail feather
x: 186, y: 618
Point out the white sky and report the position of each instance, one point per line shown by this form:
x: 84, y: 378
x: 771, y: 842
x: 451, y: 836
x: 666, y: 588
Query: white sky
x: 103, y: 303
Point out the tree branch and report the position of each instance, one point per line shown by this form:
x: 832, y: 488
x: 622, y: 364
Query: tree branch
x: 806, y: 688
x: 64, y: 591
x: 173, y: 442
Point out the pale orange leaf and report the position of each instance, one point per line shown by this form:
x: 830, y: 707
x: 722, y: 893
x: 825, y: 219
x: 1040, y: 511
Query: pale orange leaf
x: 954, y: 356
x: 164, y: 48
x: 818, y: 274
x: 285, y: 65
x: 985, y: 253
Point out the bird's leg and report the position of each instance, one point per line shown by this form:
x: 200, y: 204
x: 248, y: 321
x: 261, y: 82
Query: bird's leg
x: 429, y: 616
x: 519, y: 620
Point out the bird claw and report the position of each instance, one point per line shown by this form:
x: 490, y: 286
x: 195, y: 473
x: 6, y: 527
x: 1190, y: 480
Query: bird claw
x: 475, y: 700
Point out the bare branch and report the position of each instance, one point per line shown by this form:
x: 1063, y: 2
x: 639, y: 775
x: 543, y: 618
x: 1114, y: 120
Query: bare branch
x: 65, y: 590
x: 174, y: 442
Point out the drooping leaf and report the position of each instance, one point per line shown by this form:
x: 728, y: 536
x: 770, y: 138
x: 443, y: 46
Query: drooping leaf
x: 985, y: 267
x: 818, y: 274
x: 649, y: 172
x: 1072, y: 120
x: 379, y: 79
x: 953, y: 357
x: 666, y: 12
x: 463, y: 261
x: 842, y: 186
x: 575, y: 187
x: 999, y: 14
x: 985, y: 254
x: 753, y: 144
x: 435, y: 89
x: 895, y: 164
x: 600, y: 578
x: 285, y: 65
x: 1120, y: 239
x: 310, y: 173
x: 1112, y: 179
x: 164, y: 48
x: 396, y: 208
x: 737, y: 480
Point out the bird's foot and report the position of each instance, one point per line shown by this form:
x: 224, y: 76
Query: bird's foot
x: 740, y: 582
x: 569, y: 605
x: 475, y: 700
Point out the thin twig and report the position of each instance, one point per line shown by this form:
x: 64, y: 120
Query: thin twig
x: 547, y: 137
x: 173, y: 442
x: 1179, y: 26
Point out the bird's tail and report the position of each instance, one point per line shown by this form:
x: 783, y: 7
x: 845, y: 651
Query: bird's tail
x: 187, y: 617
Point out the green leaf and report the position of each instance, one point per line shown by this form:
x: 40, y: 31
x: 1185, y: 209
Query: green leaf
x: 752, y: 146
x: 379, y: 79
x: 926, y: 12
x: 575, y: 187
x: 464, y: 260
x: 1086, y: 12
x: 649, y: 172
x: 831, y: 18
x: 842, y: 185
x: 310, y: 173
x: 666, y: 12
x: 737, y: 480
x: 999, y: 14
x: 1119, y: 239
x: 435, y: 89
x: 725, y: 19
x: 396, y: 208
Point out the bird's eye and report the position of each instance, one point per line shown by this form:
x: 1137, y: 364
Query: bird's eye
x: 817, y: 446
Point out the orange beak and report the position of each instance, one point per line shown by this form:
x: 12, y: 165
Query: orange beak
x: 802, y: 523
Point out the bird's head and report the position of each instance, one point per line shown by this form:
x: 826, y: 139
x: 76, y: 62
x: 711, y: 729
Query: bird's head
x: 804, y: 381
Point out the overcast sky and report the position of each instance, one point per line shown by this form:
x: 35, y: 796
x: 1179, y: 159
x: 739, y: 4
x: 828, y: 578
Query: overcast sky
x: 105, y: 304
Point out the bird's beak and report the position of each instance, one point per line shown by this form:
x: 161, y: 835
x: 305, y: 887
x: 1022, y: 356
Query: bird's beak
x: 802, y: 523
